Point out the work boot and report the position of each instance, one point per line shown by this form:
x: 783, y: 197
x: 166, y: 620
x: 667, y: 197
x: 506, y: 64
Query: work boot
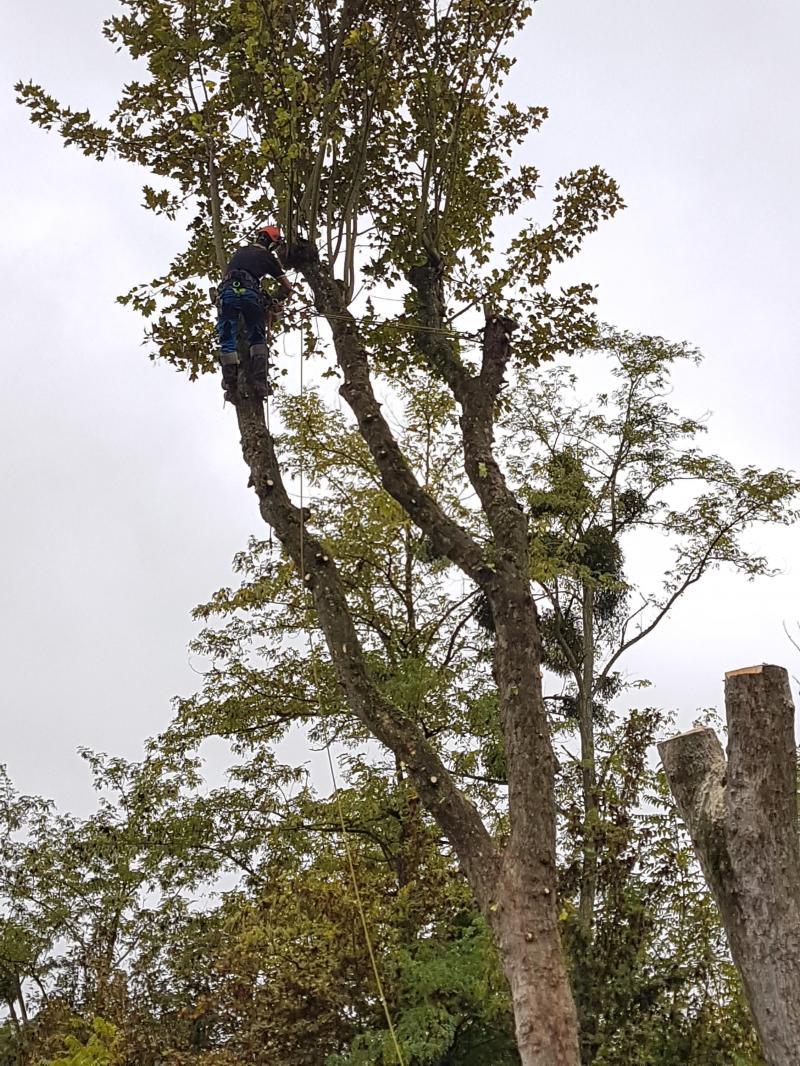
x: 258, y: 371
x: 230, y: 382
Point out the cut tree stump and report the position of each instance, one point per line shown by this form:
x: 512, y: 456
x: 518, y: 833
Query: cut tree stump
x: 742, y: 816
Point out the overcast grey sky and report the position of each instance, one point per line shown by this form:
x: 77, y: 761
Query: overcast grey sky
x: 123, y: 490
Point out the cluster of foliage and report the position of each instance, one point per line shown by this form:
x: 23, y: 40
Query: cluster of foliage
x: 276, y: 965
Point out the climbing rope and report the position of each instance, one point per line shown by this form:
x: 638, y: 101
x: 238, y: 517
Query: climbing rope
x: 336, y: 793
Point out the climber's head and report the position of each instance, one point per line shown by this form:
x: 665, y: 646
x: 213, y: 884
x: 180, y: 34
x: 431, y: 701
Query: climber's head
x: 270, y: 236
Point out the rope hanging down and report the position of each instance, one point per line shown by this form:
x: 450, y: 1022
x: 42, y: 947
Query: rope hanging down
x: 336, y: 793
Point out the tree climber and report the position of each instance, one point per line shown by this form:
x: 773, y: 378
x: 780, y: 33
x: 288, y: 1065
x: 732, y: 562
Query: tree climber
x: 240, y: 293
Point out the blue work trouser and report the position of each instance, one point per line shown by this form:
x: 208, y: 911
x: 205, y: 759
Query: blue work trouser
x: 252, y: 306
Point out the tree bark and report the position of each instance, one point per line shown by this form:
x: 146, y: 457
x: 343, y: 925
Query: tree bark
x: 526, y: 931
x: 742, y: 818
x: 12, y: 1013
x: 23, y: 1009
x: 588, y: 892
x: 526, y: 921
x: 584, y: 982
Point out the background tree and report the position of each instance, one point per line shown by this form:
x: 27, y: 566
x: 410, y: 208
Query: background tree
x: 598, y: 474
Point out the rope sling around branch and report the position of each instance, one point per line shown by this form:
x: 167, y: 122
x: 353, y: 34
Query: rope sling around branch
x: 336, y: 793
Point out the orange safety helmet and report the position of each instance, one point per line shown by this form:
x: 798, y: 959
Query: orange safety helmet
x: 269, y: 235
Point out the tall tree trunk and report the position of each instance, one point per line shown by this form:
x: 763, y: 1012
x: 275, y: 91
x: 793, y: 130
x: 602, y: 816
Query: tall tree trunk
x: 526, y: 925
x: 588, y: 891
x: 742, y: 817
x: 21, y: 1000
x: 216, y: 210
x: 12, y: 1013
x: 526, y: 932
x: 583, y: 975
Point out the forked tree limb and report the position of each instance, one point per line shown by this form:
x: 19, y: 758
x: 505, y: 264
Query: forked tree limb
x: 742, y: 817
x: 447, y: 536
